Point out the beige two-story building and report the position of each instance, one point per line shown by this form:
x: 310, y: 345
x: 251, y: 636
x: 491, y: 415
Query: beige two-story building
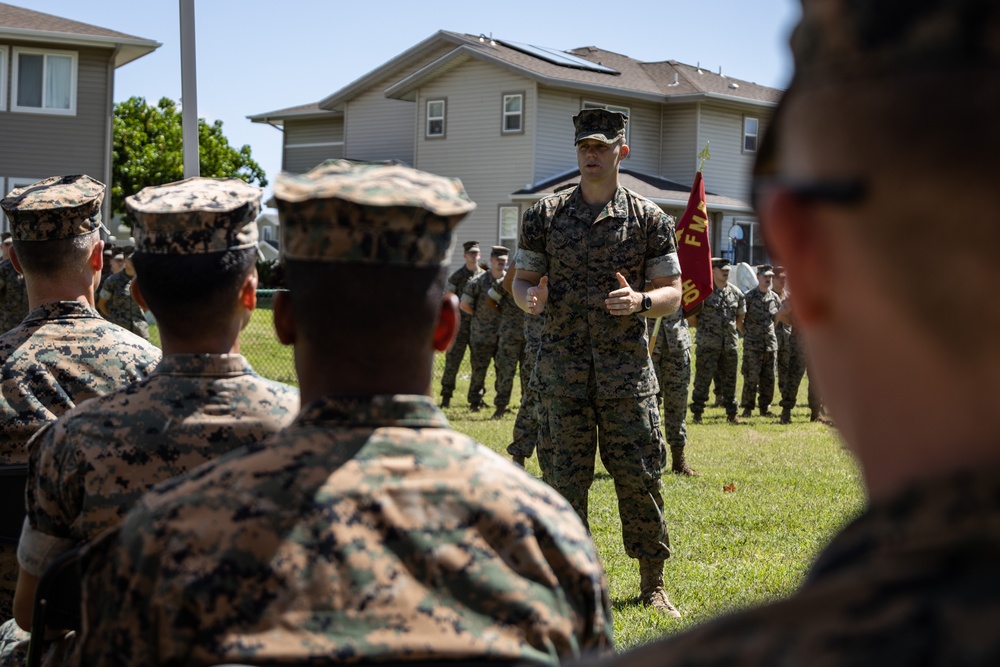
x: 497, y: 114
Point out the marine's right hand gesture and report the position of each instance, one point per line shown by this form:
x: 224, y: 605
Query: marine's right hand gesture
x: 538, y: 296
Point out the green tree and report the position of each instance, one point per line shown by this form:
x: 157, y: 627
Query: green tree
x: 148, y: 150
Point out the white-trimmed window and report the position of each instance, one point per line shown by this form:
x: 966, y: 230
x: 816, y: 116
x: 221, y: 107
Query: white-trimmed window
x: 611, y: 107
x: 513, y: 113
x: 8, y: 185
x: 435, y: 117
x: 43, y: 81
x: 750, y: 130
x: 3, y: 83
x: 509, y: 218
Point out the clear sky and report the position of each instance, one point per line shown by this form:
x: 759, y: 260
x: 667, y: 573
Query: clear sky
x: 256, y: 56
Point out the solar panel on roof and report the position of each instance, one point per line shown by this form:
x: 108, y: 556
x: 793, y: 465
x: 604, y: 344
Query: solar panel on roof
x: 561, y: 58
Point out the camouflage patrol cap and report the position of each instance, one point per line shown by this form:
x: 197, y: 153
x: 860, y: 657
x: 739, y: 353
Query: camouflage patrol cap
x: 471, y: 246
x: 369, y: 213
x: 58, y: 207
x: 499, y: 251
x: 600, y: 124
x: 765, y: 270
x: 843, y: 40
x: 195, y: 216
x: 720, y: 263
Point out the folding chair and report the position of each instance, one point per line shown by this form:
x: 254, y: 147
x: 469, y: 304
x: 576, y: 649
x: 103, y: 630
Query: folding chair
x: 12, y: 510
x: 57, y: 602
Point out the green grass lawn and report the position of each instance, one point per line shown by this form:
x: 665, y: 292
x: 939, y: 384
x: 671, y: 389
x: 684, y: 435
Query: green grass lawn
x: 794, y: 486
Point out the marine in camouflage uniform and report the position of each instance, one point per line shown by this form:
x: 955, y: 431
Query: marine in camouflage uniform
x: 525, y: 435
x: 484, y: 333
x: 797, y: 370
x: 781, y: 332
x: 760, y: 344
x: 672, y: 361
x: 510, y: 349
x: 88, y: 469
x: 913, y: 580
x: 593, y: 370
x: 63, y: 352
x: 115, y: 300
x: 456, y: 285
x: 718, y: 327
x: 368, y: 530
x: 13, y: 294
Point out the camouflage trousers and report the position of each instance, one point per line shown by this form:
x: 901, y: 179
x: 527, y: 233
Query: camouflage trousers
x: 758, y: 378
x: 526, y: 423
x: 673, y: 372
x: 509, y: 358
x: 481, y: 353
x: 453, y: 358
x: 722, y: 366
x: 632, y: 450
x: 783, y: 365
x: 796, y: 371
x: 8, y: 580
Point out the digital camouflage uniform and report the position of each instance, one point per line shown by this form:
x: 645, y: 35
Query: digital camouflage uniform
x: 383, y: 533
x: 782, y: 332
x: 484, y: 333
x: 593, y: 369
x: 525, y: 435
x: 510, y: 347
x: 760, y: 349
x: 796, y: 371
x: 718, y: 348
x: 367, y: 530
x: 909, y: 582
x: 453, y: 357
x: 13, y: 297
x: 672, y: 361
x: 63, y: 352
x: 89, y: 468
x: 122, y: 308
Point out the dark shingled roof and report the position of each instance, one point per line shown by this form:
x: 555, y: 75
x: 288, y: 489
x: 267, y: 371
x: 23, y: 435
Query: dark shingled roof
x: 19, y: 18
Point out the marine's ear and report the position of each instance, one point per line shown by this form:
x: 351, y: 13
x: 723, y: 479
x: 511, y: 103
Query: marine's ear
x: 284, y: 317
x: 447, y: 324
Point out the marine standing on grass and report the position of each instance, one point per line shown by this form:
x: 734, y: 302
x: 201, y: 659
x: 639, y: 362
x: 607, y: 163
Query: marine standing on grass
x: 718, y: 324
x: 525, y: 434
x: 367, y: 530
x: 760, y: 344
x: 510, y: 346
x: 115, y: 299
x: 484, y: 334
x: 195, y: 259
x: 585, y: 254
x: 844, y: 179
x: 63, y: 352
x: 456, y: 285
x: 672, y: 361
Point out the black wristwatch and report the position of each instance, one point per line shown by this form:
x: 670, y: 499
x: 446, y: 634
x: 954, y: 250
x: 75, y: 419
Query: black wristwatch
x: 647, y: 303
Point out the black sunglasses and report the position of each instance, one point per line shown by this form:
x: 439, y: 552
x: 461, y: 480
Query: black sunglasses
x: 843, y: 193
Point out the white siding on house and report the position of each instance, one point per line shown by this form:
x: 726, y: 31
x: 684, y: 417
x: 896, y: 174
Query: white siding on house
x: 554, y: 151
x: 490, y: 164
x: 728, y: 172
x: 680, y: 143
x: 308, y: 142
x: 379, y: 128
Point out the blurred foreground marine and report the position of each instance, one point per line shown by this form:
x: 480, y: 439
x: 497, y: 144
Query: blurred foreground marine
x: 842, y: 190
x: 367, y: 530
x: 63, y: 352
x: 196, y: 251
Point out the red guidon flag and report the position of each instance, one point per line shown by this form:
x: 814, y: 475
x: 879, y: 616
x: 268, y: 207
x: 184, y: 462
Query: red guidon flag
x: 693, y: 248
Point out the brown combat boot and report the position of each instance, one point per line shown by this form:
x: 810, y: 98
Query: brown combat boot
x: 651, y: 592
x: 733, y: 419
x: 786, y: 415
x: 678, y: 465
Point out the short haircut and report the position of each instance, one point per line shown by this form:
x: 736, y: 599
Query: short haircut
x: 375, y: 310
x: 49, y: 259
x: 189, y: 293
